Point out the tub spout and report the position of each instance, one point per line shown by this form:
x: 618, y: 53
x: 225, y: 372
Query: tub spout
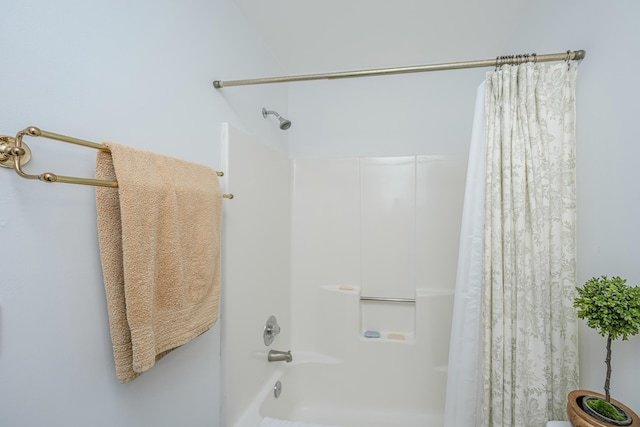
x: 279, y: 356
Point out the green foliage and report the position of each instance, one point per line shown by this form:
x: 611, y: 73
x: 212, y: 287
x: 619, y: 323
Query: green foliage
x: 605, y: 408
x: 610, y: 306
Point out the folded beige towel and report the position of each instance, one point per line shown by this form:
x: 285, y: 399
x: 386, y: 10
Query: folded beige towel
x: 159, y: 234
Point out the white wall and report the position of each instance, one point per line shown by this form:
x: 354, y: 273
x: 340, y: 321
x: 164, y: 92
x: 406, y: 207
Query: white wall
x: 138, y: 73
x: 432, y: 114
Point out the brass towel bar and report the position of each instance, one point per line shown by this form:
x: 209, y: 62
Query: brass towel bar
x: 14, y: 153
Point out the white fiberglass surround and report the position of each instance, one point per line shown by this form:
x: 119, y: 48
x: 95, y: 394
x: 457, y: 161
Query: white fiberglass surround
x: 256, y: 261
x: 378, y: 227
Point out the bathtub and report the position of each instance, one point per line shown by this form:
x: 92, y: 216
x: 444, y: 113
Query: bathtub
x: 321, y: 390
x: 396, y: 380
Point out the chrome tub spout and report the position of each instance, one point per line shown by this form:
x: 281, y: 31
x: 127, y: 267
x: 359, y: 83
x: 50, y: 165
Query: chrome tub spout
x: 279, y: 356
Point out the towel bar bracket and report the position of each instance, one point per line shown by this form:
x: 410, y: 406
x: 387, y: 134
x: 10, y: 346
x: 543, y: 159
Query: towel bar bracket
x: 49, y: 176
x: 9, y: 150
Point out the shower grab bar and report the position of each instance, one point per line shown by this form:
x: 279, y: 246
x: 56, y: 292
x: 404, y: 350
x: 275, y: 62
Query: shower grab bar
x: 14, y: 153
x: 385, y: 299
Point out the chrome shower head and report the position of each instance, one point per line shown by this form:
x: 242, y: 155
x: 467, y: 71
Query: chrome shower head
x: 284, y: 123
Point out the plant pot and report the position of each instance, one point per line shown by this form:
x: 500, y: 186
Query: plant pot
x: 580, y: 414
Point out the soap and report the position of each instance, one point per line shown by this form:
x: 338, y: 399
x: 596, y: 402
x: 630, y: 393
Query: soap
x: 371, y: 334
x: 346, y: 288
x: 395, y: 336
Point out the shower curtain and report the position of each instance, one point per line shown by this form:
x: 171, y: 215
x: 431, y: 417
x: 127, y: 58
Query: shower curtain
x: 514, y: 351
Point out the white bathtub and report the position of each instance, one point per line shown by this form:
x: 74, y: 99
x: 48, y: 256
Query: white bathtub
x: 397, y: 380
x: 322, y: 390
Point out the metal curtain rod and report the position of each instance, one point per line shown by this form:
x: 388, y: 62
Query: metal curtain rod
x: 576, y: 55
x: 14, y: 153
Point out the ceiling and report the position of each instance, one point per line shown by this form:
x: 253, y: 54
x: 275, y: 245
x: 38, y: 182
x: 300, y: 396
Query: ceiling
x: 343, y: 35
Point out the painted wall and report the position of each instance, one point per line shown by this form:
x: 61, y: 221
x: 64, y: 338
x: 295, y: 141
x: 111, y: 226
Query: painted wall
x: 432, y: 114
x: 138, y: 73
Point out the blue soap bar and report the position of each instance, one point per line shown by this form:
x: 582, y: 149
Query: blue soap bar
x: 371, y: 334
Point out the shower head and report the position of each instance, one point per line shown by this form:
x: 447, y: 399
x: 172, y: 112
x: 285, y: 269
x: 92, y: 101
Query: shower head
x: 284, y: 123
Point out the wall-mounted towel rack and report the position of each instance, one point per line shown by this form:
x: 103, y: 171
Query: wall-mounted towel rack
x: 14, y: 153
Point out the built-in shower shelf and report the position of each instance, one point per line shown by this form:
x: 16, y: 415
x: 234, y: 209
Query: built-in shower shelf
x: 390, y: 319
x: 392, y: 337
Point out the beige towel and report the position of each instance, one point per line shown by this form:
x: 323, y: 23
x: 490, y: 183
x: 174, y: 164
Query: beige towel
x: 159, y: 234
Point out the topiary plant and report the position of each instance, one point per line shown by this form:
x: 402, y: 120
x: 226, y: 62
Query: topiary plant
x: 613, y: 309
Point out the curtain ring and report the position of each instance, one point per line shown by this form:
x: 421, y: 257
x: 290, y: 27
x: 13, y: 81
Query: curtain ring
x: 535, y: 58
x: 500, y: 61
x: 568, y: 56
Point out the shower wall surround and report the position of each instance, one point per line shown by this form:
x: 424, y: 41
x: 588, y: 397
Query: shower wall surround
x: 256, y: 265
x: 382, y: 227
x: 386, y: 226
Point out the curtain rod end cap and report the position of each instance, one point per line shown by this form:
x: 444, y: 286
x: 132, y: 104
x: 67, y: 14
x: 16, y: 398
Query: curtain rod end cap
x: 579, y: 55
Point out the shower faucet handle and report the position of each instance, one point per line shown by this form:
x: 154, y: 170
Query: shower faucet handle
x: 274, y: 330
x: 271, y: 329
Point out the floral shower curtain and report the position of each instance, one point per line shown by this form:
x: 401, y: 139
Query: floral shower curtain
x: 527, y: 359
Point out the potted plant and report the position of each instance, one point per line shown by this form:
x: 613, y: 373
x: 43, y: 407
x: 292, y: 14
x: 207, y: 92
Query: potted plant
x: 612, y: 308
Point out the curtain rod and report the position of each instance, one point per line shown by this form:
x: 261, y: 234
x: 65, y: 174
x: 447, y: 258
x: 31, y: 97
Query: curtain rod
x: 576, y: 55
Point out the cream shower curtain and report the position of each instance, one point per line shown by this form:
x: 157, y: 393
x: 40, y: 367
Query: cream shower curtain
x: 527, y: 352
